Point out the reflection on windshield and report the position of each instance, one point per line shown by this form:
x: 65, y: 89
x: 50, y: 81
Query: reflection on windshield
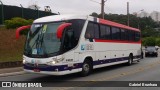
x: 42, y: 39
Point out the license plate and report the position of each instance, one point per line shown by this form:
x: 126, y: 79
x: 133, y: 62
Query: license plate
x: 36, y: 70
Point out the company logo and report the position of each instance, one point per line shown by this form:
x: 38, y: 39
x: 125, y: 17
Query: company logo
x: 82, y: 47
x: 32, y: 61
x: 6, y: 84
x: 87, y: 47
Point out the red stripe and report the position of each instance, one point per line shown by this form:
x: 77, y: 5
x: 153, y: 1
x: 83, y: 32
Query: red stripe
x: 107, y: 22
x: 117, y: 41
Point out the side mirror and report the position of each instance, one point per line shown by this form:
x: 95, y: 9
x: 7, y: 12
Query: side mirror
x: 21, y: 29
x: 61, y: 28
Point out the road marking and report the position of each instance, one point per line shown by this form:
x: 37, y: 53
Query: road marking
x: 11, y: 74
x: 136, y: 70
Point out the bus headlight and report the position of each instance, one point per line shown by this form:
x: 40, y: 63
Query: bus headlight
x: 51, y: 63
x: 55, y: 61
x: 24, y: 60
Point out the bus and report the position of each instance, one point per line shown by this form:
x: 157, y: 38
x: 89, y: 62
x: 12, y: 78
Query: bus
x: 65, y: 44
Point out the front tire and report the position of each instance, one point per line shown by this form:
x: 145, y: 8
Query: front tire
x: 86, y: 68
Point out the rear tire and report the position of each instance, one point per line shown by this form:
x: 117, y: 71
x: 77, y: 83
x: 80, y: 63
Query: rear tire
x: 142, y: 55
x: 130, y: 60
x: 156, y: 55
x: 86, y: 68
x: 146, y: 55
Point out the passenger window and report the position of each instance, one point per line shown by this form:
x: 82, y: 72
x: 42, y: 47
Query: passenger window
x: 69, y: 40
x: 105, y: 32
x: 116, y: 33
x: 131, y: 36
x: 108, y: 32
x: 123, y: 35
x: 137, y: 36
x: 96, y: 31
x: 102, y: 32
x: 92, y: 31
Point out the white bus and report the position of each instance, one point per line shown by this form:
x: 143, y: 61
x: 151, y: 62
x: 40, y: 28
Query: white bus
x: 64, y: 44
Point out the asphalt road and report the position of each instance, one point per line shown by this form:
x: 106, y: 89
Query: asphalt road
x: 148, y: 69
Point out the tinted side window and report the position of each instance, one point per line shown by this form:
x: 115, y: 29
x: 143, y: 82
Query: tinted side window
x: 115, y: 33
x: 77, y: 26
x: 127, y: 34
x: 92, y: 30
x: 123, y: 34
x: 131, y: 35
x: 137, y: 36
x: 96, y: 30
x: 102, y: 32
x: 108, y: 32
x: 105, y: 32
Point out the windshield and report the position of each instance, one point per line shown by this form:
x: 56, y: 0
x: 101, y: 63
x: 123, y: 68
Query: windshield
x: 42, y: 39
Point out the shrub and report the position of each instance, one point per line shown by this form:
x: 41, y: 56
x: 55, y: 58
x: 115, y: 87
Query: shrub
x: 17, y: 22
x: 158, y: 41
x: 149, y: 41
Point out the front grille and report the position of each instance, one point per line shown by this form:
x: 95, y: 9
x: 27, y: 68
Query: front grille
x: 37, y: 65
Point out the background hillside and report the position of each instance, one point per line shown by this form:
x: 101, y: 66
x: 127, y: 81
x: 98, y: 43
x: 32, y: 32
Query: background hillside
x: 10, y: 48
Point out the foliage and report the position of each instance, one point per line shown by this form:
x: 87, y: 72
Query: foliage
x: 17, y: 22
x: 149, y: 41
x: 158, y: 41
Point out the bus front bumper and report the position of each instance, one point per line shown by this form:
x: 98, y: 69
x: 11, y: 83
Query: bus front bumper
x: 52, y: 70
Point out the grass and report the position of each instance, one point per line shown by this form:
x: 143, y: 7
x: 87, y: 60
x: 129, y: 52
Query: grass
x: 10, y: 48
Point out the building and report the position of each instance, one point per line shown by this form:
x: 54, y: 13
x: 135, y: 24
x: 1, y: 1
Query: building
x: 155, y: 15
x: 143, y: 14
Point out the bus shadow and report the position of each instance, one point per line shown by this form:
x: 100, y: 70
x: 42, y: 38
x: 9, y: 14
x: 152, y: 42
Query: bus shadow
x: 69, y: 77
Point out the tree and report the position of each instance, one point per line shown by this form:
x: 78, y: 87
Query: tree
x: 158, y: 41
x: 149, y: 41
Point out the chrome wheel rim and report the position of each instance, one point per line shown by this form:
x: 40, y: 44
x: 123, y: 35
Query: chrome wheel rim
x: 86, y: 68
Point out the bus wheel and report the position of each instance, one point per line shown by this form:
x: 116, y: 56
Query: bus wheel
x: 86, y: 68
x: 130, y: 60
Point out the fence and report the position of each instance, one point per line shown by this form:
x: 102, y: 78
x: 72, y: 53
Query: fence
x: 8, y: 12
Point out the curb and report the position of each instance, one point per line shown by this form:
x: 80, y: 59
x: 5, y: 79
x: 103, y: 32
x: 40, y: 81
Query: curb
x: 12, y: 74
x: 10, y: 64
x: 11, y: 71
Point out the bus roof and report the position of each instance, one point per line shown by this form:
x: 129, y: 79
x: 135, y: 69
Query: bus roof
x: 54, y: 18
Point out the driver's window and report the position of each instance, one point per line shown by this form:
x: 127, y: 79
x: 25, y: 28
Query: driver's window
x: 68, y: 40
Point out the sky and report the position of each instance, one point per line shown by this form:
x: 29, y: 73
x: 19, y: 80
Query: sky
x: 88, y: 6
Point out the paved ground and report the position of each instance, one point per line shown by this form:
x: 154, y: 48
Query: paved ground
x: 147, y: 69
x: 10, y: 70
